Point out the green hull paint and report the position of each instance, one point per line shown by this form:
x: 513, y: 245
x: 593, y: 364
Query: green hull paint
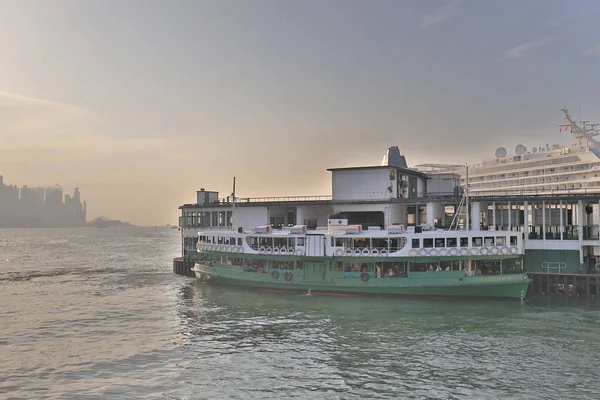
x: 442, y: 283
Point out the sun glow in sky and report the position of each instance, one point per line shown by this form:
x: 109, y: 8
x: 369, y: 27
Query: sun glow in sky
x: 140, y: 102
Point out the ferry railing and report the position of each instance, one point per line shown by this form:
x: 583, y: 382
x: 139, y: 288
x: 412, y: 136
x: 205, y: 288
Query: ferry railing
x: 277, y: 199
x: 550, y: 266
x: 570, y: 232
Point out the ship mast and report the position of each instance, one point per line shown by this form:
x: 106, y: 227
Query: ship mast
x: 582, y: 134
x: 233, y: 206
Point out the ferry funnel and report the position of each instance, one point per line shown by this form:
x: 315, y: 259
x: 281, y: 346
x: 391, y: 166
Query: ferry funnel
x: 394, y: 159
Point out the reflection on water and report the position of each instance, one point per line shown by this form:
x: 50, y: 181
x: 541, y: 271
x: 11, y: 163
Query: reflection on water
x: 88, y: 313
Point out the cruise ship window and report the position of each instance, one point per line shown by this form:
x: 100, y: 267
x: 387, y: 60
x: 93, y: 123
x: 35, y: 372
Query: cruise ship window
x: 500, y: 241
x: 464, y: 242
x: 489, y: 240
x: 451, y: 242
x: 415, y: 244
x: 427, y: 243
x: 477, y: 242
x: 440, y: 242
x: 513, y: 240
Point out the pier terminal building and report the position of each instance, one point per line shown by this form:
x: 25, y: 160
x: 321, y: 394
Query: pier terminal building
x: 559, y: 227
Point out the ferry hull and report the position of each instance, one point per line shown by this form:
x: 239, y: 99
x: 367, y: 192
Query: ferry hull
x: 512, y: 286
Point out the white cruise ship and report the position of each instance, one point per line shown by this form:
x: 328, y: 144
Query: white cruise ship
x: 548, y: 169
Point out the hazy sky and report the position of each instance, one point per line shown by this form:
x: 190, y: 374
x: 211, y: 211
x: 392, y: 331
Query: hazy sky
x: 141, y: 103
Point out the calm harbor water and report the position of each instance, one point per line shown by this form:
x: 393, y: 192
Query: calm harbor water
x: 88, y: 313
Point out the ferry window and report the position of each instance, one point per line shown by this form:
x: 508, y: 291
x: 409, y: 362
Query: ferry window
x: 380, y: 244
x: 339, y: 242
x: 488, y: 240
x: 219, y: 240
x: 451, y: 242
x: 351, y: 267
x: 500, y: 241
x: 360, y: 243
x: 477, y: 242
x: 239, y: 242
x: 221, y: 218
x: 232, y: 241
x: 237, y: 261
x: 464, y: 242
x: 229, y: 218
x: 337, y: 266
x: 283, y: 265
x: 418, y: 267
x: 291, y: 242
x: 427, y: 243
x: 215, y: 218
x: 513, y: 240
x: 399, y: 242
x: 415, y: 244
x: 300, y: 241
x: 440, y: 242
x: 252, y: 242
x: 279, y: 242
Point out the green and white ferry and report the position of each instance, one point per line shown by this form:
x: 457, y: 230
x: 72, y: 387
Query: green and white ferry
x: 346, y: 259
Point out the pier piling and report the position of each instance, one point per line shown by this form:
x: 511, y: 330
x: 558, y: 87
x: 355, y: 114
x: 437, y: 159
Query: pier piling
x: 552, y: 284
x: 183, y: 267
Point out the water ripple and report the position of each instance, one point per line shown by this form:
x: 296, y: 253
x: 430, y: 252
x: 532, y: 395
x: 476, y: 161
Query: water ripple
x: 90, y: 313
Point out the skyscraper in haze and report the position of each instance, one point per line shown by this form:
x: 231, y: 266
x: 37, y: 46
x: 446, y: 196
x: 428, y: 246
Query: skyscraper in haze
x: 40, y: 207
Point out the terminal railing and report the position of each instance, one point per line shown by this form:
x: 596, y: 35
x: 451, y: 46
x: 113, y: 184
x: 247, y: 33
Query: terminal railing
x: 553, y: 266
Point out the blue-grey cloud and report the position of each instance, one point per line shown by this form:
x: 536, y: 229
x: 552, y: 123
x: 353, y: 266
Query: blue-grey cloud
x: 591, y: 51
x: 444, y: 13
x: 524, y: 48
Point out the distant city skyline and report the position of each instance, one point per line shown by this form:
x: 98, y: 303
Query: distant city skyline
x: 40, y: 207
x: 141, y: 103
